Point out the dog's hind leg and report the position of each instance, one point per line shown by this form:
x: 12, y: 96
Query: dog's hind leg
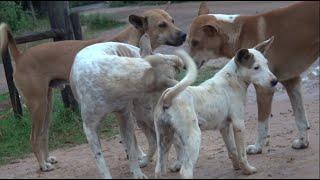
x: 152, y: 142
x: 190, y: 138
x: 239, y: 135
x: 91, y: 122
x: 293, y: 87
x: 228, y: 138
x: 179, y: 153
x: 37, y: 104
x: 126, y: 124
x: 49, y: 159
x: 164, y: 134
x: 264, y: 100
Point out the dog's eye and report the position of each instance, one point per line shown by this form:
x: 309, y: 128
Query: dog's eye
x: 163, y: 24
x: 172, y: 21
x: 256, y: 68
x: 194, y: 43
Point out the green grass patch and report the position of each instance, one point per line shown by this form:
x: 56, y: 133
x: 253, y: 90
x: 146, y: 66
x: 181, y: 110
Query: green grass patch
x: 100, y: 21
x: 203, y: 75
x: 65, y: 131
x: 4, y: 96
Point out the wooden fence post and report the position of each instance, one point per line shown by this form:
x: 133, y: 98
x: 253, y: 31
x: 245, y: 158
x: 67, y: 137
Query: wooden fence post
x: 76, y: 26
x: 58, y: 12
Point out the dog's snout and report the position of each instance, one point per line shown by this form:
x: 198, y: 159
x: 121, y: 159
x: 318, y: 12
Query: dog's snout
x: 274, y: 82
x: 182, y: 36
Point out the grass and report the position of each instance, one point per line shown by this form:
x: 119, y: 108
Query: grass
x: 65, y: 131
x: 4, y: 96
x: 100, y: 21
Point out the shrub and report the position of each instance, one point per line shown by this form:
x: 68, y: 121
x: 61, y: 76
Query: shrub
x: 12, y: 14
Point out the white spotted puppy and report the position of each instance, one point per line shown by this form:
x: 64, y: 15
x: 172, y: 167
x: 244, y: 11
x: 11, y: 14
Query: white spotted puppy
x: 215, y: 104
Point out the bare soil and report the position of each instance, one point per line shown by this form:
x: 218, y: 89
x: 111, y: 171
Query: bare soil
x: 278, y: 159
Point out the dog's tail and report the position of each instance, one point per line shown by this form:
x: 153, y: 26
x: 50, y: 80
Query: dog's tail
x: 7, y: 41
x: 190, y: 77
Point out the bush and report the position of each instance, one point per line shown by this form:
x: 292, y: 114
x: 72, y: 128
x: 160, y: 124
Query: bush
x: 12, y: 14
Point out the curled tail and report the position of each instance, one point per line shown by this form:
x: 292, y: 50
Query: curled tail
x: 190, y: 77
x: 7, y: 41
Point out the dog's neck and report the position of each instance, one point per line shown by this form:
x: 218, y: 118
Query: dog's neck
x: 231, y: 76
x: 246, y: 31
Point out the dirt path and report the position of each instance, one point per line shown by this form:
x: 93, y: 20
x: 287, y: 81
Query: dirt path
x: 278, y: 160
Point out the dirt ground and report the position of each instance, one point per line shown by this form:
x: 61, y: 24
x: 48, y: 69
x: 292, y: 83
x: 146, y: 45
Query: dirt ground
x: 278, y: 160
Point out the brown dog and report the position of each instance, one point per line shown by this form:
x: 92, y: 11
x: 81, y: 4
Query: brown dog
x: 296, y: 46
x: 39, y: 66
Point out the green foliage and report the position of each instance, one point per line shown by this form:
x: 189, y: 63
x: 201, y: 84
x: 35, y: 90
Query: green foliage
x: 100, y: 21
x: 12, y: 14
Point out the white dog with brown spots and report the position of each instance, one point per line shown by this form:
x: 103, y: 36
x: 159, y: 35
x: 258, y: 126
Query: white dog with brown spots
x: 217, y: 103
x: 105, y: 78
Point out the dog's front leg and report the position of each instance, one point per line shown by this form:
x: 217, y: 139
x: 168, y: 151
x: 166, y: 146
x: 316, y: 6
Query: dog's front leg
x: 239, y: 128
x: 264, y: 100
x: 126, y: 123
x: 293, y: 88
x: 228, y: 138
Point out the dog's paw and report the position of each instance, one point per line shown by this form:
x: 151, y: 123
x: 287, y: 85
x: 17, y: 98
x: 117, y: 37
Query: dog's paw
x: 47, y: 167
x: 253, y: 149
x: 139, y: 175
x: 249, y: 170
x: 175, y: 167
x: 52, y: 160
x: 300, y: 144
x: 236, y: 165
x: 143, y: 161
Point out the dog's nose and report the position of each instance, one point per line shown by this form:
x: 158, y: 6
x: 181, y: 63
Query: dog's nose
x: 182, y: 35
x: 274, y: 82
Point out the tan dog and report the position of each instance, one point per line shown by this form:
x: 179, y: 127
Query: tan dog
x: 295, y: 48
x: 36, y: 69
x: 105, y: 78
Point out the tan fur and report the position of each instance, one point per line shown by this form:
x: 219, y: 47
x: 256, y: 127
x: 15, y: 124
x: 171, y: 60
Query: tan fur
x: 295, y: 48
x: 41, y: 65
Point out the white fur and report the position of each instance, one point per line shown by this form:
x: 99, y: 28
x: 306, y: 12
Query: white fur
x: 215, y: 104
x: 225, y: 17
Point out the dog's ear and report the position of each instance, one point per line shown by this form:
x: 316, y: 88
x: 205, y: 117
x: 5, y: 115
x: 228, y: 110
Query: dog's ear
x: 243, y: 57
x: 145, y: 45
x: 203, y: 9
x: 138, y: 22
x: 264, y: 46
x: 167, y: 6
x: 210, y: 29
